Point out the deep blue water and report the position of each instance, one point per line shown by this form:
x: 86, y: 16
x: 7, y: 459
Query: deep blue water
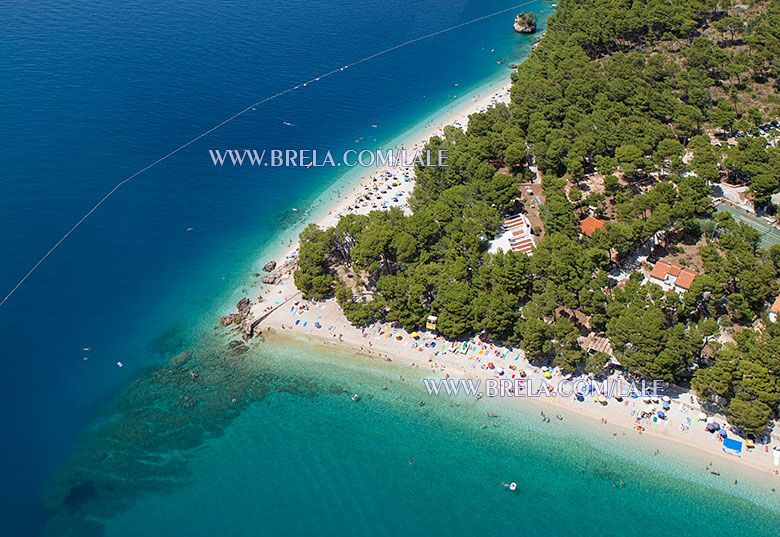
x: 90, y: 92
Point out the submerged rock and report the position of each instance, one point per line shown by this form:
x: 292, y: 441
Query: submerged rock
x: 241, y: 349
x: 233, y: 344
x: 178, y: 360
x: 143, y: 443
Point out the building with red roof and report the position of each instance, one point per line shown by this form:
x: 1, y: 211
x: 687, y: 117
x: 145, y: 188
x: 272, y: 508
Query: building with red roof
x: 520, y: 237
x: 774, y: 310
x: 673, y: 276
x: 590, y: 225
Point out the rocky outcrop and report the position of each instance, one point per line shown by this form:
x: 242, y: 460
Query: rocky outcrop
x: 233, y: 318
x: 244, y: 308
x: 272, y: 278
x: 283, y: 270
x: 525, y: 23
x: 270, y: 266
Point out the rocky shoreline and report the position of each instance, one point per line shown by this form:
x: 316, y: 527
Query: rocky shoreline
x: 242, y: 318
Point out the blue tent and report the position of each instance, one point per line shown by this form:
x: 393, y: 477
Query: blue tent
x: 735, y: 446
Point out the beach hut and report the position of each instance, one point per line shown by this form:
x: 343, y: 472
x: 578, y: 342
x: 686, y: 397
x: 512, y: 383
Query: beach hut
x: 430, y: 324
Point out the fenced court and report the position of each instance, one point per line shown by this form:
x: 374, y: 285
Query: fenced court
x: 769, y: 234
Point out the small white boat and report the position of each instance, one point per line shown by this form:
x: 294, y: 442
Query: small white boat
x: 512, y: 486
x: 356, y: 397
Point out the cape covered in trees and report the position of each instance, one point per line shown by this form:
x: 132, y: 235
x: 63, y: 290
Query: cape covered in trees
x: 635, y: 97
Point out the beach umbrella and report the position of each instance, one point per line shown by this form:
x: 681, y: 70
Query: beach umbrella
x: 667, y: 399
x: 723, y: 433
x: 661, y: 414
x: 702, y: 416
x: 415, y: 335
x: 665, y: 405
x: 711, y: 427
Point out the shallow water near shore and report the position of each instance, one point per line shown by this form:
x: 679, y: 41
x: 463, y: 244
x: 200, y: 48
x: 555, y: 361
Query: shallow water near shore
x: 304, y: 456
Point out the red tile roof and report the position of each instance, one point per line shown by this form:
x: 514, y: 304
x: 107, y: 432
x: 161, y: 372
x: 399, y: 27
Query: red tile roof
x: 685, y: 279
x: 683, y: 275
x: 776, y: 306
x: 660, y: 270
x: 674, y: 269
x: 590, y: 225
x: 520, y: 239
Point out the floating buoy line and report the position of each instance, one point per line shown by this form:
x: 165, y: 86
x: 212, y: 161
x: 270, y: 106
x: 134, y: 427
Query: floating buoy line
x: 251, y: 107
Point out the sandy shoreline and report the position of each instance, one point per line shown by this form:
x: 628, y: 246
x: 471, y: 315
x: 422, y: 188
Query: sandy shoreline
x: 299, y: 322
x: 283, y: 312
x: 335, y: 201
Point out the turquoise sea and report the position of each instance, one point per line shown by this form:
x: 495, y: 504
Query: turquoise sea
x: 300, y: 457
x: 266, y: 442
